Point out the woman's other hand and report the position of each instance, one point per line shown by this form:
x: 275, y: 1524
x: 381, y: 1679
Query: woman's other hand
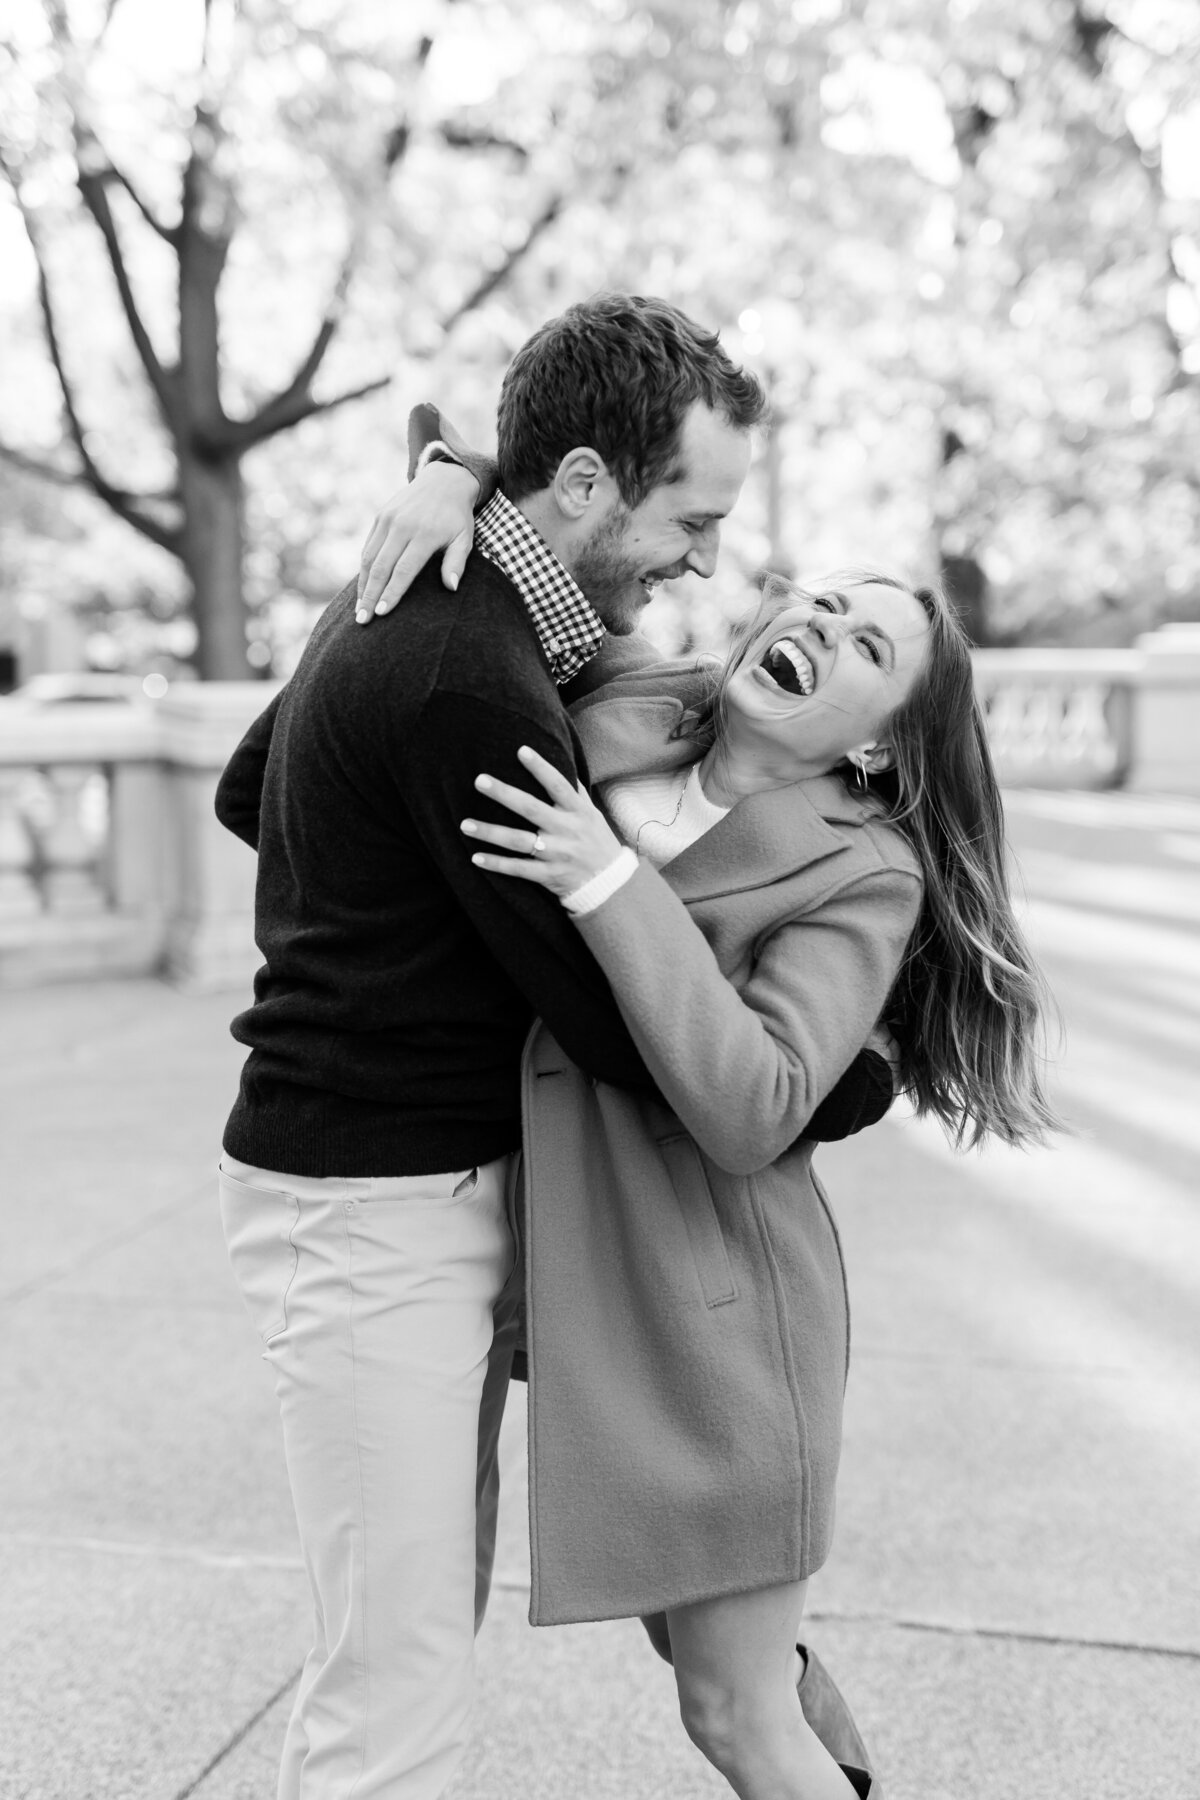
x: 566, y: 841
x: 434, y: 512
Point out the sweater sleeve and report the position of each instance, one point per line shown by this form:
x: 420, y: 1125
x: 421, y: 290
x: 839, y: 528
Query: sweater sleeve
x: 427, y: 425
x: 525, y: 928
x: 239, y: 791
x: 745, y: 1068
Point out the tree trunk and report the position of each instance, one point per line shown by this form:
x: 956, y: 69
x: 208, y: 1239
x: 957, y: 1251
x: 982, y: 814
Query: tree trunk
x: 213, y: 542
x: 966, y: 588
x: 779, y: 562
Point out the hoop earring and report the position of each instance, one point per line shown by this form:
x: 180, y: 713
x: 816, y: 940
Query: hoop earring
x: 860, y: 776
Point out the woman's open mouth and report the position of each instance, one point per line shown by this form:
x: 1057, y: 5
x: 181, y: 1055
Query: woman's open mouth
x: 789, y: 668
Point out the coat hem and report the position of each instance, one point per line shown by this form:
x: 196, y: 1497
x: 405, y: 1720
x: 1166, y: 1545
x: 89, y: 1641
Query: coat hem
x: 801, y: 1570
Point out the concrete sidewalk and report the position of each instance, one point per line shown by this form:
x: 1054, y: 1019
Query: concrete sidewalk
x: 1013, y: 1606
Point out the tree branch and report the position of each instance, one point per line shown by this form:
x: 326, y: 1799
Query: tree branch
x: 124, y: 504
x: 244, y: 434
x: 495, y: 277
x: 110, y: 8
x: 93, y: 187
x: 46, y: 471
x: 168, y: 233
x: 294, y: 401
x: 33, y: 465
x: 470, y: 137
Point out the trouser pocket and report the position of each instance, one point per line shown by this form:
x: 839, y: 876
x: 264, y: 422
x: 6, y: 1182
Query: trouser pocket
x: 260, y: 1225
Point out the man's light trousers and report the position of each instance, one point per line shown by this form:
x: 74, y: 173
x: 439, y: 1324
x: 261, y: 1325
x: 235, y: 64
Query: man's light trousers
x: 388, y: 1307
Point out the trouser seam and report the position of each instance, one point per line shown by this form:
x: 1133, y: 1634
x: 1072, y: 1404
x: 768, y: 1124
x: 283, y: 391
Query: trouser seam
x: 362, y: 1506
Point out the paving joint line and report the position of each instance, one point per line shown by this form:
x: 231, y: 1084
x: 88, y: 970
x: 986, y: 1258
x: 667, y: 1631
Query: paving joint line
x: 188, y: 1553
x: 1005, y: 1634
x: 242, y: 1732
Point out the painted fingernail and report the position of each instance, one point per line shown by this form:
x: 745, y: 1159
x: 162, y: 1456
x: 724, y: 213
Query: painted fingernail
x: 470, y: 826
x: 484, y: 782
x: 452, y: 583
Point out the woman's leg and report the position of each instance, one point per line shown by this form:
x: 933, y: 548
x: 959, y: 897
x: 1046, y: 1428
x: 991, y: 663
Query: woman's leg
x: 736, y: 1668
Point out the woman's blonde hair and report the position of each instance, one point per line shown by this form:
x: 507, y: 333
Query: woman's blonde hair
x: 969, y: 1004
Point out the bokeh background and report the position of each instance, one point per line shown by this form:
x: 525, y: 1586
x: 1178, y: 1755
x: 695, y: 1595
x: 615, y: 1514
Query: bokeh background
x: 960, y: 239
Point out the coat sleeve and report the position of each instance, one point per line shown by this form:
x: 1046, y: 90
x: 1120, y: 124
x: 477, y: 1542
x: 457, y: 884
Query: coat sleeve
x: 745, y: 1068
x: 239, y: 791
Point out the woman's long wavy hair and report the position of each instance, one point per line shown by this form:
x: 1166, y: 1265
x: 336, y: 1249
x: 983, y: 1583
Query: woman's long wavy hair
x: 969, y: 1005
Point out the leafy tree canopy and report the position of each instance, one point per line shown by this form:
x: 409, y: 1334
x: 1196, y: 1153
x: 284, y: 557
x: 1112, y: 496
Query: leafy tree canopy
x: 961, y: 238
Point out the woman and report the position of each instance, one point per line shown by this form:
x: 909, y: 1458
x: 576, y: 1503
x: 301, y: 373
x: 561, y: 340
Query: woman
x: 819, y: 846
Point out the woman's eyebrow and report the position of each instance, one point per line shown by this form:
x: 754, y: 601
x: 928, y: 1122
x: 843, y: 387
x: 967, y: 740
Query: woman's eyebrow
x: 872, y: 630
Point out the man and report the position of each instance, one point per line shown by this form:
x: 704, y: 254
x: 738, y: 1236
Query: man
x: 369, y: 1157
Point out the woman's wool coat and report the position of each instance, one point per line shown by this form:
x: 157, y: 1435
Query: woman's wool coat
x: 687, y: 1312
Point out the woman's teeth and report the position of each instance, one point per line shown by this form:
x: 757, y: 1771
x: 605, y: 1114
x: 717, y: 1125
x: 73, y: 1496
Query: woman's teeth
x: 789, y: 668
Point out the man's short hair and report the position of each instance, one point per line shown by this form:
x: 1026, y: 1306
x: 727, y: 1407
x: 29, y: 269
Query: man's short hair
x: 617, y: 374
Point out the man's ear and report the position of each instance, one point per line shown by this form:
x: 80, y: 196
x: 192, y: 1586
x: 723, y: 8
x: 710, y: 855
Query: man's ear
x: 581, y: 479
x: 873, y: 759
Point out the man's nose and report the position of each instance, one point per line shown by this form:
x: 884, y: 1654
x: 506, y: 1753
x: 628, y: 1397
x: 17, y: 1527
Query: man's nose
x: 706, y: 548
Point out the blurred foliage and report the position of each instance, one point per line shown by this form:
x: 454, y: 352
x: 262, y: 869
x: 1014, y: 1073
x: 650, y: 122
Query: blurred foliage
x: 961, y: 238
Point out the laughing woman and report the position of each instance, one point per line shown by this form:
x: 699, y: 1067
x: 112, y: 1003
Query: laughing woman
x: 789, y: 851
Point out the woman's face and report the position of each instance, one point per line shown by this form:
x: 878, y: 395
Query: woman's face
x: 822, y: 677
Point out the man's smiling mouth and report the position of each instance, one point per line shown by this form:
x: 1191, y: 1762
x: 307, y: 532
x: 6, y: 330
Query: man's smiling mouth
x: 653, y: 579
x: 789, y: 668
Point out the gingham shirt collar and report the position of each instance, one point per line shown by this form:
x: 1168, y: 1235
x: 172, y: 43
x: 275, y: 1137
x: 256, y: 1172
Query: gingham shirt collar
x: 568, y: 629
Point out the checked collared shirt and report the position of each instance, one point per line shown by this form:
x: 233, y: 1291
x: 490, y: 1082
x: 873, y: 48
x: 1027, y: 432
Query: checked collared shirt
x: 568, y: 629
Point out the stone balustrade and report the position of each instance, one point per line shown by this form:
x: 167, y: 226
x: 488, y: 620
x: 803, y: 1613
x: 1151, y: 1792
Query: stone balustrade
x: 112, y: 861
x: 111, y: 858
x: 1097, y: 718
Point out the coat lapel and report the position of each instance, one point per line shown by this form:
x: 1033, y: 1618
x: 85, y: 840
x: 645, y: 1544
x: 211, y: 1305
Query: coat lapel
x: 764, y: 839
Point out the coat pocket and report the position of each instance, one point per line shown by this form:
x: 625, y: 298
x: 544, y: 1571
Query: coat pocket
x: 681, y: 1159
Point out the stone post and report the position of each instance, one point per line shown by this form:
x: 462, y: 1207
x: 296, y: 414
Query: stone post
x: 209, y: 873
x: 1166, y: 720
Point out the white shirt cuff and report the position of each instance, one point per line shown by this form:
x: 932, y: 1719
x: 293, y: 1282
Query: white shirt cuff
x: 437, y: 452
x: 603, y: 886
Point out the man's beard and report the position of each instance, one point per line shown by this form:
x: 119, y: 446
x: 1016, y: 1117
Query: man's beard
x: 609, y: 577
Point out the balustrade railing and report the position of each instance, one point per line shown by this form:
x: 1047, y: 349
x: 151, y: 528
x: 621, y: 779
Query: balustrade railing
x: 112, y: 861
x: 1059, y: 718
x: 105, y: 819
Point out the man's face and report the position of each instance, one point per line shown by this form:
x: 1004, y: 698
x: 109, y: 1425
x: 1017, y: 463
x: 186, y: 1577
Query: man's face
x: 676, y: 527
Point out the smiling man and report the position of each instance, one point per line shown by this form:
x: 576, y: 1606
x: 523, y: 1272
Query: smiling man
x: 368, y: 1160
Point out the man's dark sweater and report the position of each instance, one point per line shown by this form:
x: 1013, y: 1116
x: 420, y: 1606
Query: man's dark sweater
x: 400, y: 980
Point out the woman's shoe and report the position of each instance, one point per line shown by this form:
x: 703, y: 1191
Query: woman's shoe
x: 830, y: 1718
x: 866, y: 1786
